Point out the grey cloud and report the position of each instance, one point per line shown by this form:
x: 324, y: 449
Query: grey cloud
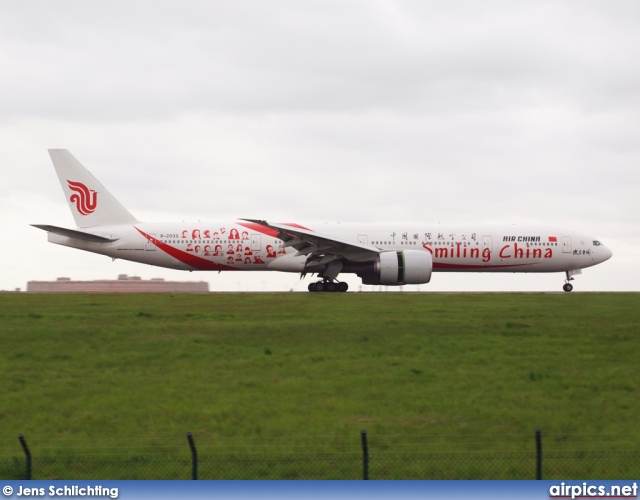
x: 118, y: 61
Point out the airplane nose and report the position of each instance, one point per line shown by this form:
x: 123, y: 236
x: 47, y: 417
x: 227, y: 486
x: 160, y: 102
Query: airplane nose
x: 603, y: 254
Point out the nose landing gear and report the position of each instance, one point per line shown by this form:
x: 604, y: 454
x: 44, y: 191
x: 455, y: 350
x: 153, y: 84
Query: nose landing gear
x: 567, y: 287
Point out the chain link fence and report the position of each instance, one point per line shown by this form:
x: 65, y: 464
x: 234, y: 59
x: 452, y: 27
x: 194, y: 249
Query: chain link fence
x: 317, y: 457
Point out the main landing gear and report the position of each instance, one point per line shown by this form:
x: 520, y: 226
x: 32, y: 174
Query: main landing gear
x: 328, y: 286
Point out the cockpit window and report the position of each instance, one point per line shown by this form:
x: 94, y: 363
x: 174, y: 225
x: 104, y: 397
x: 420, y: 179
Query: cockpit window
x: 596, y: 243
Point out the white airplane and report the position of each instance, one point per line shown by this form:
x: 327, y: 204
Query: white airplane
x: 380, y: 254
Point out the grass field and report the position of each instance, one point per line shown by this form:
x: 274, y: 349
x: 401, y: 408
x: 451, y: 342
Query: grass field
x: 131, y: 374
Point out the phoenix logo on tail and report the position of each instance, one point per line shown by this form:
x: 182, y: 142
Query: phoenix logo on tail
x: 86, y: 200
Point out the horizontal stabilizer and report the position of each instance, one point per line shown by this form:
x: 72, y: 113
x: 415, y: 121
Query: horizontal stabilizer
x: 72, y: 233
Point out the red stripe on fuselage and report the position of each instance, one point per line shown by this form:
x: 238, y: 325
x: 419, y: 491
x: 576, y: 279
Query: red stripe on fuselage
x: 294, y: 225
x: 471, y: 267
x: 267, y: 230
x: 260, y: 228
x: 187, y: 257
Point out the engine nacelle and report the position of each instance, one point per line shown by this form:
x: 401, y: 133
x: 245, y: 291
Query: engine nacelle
x: 404, y: 267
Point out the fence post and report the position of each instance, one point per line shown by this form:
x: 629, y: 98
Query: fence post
x: 365, y: 455
x: 194, y: 456
x: 27, y: 452
x: 538, y: 454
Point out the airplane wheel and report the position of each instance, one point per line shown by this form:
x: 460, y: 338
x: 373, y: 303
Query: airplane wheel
x: 567, y: 287
x: 328, y: 286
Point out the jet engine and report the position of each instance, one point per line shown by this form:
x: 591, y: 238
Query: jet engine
x: 402, y: 267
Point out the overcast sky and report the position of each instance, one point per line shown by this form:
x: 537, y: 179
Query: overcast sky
x: 355, y: 111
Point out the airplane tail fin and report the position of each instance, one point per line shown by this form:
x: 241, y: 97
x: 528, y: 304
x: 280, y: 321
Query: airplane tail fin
x: 90, y: 202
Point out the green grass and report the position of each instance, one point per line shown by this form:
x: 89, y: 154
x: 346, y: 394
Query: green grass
x: 291, y: 373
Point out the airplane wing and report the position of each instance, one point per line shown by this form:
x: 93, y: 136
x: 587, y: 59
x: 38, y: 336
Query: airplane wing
x: 319, y: 247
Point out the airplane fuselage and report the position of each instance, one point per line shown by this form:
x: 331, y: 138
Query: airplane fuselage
x: 250, y: 247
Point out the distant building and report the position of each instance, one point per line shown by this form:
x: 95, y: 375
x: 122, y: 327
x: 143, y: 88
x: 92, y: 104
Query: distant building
x: 124, y: 284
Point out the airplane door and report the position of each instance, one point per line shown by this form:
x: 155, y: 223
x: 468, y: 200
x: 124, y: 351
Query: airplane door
x: 487, y: 243
x: 149, y: 245
x: 566, y: 244
x: 255, y: 242
x: 363, y: 238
